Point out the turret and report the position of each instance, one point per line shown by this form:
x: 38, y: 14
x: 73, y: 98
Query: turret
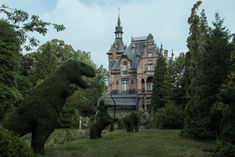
x: 118, y: 30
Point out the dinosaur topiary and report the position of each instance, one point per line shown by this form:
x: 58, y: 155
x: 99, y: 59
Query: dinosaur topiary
x: 39, y: 112
x: 132, y: 121
x: 102, y: 120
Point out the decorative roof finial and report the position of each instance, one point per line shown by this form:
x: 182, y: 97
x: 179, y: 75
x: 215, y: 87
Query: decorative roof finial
x: 119, y: 21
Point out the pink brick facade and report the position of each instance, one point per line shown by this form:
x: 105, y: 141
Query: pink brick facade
x: 131, y: 68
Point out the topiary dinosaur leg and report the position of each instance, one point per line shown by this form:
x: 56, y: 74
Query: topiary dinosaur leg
x: 39, y: 137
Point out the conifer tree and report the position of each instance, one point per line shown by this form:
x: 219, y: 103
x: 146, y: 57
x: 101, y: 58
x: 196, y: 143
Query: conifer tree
x: 159, y: 92
x: 215, y: 63
x: 208, y: 59
x: 196, y: 43
x: 223, y: 111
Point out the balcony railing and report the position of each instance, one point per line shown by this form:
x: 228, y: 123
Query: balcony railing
x: 124, y: 92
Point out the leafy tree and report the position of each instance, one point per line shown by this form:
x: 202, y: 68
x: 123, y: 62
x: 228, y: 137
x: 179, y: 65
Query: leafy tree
x: 15, y: 25
x: 178, y: 94
x: 45, y: 61
x: 9, y: 67
x: 24, y: 23
x: 39, y: 65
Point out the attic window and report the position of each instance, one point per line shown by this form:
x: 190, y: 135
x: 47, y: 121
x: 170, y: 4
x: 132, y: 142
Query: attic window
x: 149, y: 54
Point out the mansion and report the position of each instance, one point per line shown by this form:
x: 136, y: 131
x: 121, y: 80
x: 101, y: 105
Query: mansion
x: 131, y: 70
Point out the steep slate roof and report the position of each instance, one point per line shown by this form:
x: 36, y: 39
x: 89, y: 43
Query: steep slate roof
x: 133, y: 52
x: 136, y: 49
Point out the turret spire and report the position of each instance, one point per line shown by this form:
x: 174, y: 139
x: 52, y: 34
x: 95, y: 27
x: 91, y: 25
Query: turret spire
x: 118, y: 29
x: 119, y: 21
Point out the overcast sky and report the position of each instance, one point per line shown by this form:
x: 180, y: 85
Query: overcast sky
x: 90, y: 24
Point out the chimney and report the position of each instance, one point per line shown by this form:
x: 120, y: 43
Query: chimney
x: 114, y: 51
x: 166, y: 56
x: 172, y: 56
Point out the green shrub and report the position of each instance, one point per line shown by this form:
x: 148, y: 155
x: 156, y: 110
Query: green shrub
x: 12, y: 146
x: 101, y: 121
x: 168, y: 117
x: 132, y: 122
x: 224, y: 149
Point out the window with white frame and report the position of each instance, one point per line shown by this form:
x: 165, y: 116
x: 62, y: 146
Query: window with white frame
x: 124, y: 85
x: 149, y: 86
x: 124, y: 69
x: 149, y: 66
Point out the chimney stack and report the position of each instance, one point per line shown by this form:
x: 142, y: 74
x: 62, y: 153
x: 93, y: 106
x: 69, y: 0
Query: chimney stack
x: 166, y: 56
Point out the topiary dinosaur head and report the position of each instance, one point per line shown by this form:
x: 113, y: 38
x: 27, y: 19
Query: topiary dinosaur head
x: 74, y: 70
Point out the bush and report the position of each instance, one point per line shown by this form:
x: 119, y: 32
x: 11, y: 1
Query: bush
x: 224, y: 149
x: 12, y: 146
x: 168, y: 117
x: 132, y: 121
x: 101, y: 121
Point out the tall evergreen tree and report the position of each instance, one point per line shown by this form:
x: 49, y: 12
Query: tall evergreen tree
x: 159, y: 92
x: 208, y: 67
x: 224, y: 109
x: 215, y: 63
x: 196, y: 43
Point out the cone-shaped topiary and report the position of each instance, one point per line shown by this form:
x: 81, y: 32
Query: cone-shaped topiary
x: 102, y: 120
x: 39, y: 112
x: 132, y: 121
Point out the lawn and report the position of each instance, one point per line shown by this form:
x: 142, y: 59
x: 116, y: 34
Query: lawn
x: 146, y: 143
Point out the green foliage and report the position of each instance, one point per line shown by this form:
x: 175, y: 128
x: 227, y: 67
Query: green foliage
x: 12, y: 146
x: 209, y: 56
x: 224, y: 149
x: 178, y: 84
x: 9, y: 68
x: 225, y: 114
x: 24, y: 23
x: 196, y: 45
x: 159, y: 91
x: 169, y: 117
x: 43, y: 63
x: 39, y: 111
x: 102, y: 120
x: 132, y: 121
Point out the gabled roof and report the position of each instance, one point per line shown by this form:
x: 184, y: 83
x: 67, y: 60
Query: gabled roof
x: 133, y: 52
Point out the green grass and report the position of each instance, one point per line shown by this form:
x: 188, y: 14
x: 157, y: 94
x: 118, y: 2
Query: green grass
x: 146, y: 143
